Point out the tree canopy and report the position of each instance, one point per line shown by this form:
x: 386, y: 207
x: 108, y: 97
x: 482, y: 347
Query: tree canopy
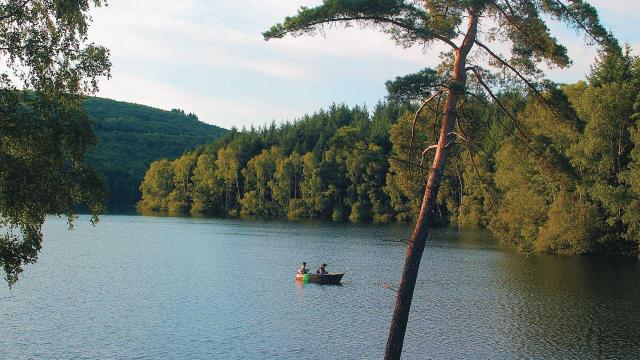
x: 352, y: 163
x: 49, y: 64
x: 131, y: 136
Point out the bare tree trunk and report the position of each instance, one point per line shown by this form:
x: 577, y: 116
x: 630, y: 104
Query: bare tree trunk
x: 421, y: 230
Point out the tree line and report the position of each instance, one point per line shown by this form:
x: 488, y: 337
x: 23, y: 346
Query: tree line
x: 560, y: 179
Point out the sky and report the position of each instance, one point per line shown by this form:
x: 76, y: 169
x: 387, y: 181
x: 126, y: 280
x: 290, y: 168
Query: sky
x: 208, y: 57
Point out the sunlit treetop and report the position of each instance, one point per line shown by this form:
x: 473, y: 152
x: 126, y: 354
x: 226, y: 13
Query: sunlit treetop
x: 519, y: 24
x: 45, y: 47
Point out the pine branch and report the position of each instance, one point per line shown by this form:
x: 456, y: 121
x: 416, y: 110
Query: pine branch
x: 475, y: 167
x: 532, y: 40
x: 504, y: 109
x: 374, y: 18
x: 415, y: 119
x: 497, y: 101
x: 513, y: 69
x: 582, y: 25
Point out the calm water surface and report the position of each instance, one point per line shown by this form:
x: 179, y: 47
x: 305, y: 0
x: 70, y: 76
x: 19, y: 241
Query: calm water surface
x: 186, y: 288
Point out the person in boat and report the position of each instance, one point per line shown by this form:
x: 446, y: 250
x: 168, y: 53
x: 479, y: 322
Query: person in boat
x: 322, y: 270
x: 303, y: 269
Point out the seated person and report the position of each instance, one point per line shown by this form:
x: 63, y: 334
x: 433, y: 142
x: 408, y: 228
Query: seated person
x: 322, y: 269
x: 303, y: 269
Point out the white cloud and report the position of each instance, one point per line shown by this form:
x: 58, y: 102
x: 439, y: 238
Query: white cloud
x: 224, y: 39
x: 162, y: 35
x: 168, y: 32
x: 622, y: 7
x: 212, y: 109
x: 195, y: 35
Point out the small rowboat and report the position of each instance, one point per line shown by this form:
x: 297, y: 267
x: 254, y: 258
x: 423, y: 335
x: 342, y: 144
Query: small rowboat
x: 330, y: 278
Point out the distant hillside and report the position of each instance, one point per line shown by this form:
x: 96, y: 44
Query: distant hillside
x: 131, y: 136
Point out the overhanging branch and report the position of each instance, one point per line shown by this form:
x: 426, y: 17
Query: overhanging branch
x: 517, y: 26
x: 510, y: 67
x: 475, y: 167
x: 497, y: 101
x: 397, y: 23
x: 507, y: 112
x: 575, y: 18
x: 415, y: 119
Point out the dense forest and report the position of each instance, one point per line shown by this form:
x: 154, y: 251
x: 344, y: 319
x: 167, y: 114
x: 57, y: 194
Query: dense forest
x: 556, y: 173
x: 131, y: 136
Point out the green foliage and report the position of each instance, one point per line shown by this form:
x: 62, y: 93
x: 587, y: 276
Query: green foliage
x: 408, y: 25
x: 521, y: 24
x: 286, y: 183
x: 182, y: 169
x: 561, y: 179
x: 573, y: 226
x: 544, y: 189
x: 156, y: 186
x: 45, y: 45
x: 630, y: 177
x: 131, y: 136
x: 42, y: 145
x: 259, y: 176
x: 312, y: 187
x: 411, y: 87
x: 404, y: 183
x: 251, y: 204
x: 576, y: 192
x: 44, y: 133
x: 228, y: 169
x: 207, y: 188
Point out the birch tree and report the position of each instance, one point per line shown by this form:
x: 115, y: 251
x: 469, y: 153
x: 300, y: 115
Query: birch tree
x: 48, y: 65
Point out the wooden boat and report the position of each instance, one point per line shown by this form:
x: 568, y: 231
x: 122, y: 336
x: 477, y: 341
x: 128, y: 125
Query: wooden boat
x: 330, y: 278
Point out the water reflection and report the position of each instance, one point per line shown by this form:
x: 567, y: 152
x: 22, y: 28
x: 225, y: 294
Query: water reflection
x: 299, y: 290
x: 153, y: 287
x: 572, y: 306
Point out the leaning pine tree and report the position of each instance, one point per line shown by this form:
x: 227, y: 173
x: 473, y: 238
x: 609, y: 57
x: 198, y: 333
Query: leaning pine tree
x: 472, y: 30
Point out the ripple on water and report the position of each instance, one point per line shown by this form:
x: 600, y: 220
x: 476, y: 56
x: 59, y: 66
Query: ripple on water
x: 153, y: 287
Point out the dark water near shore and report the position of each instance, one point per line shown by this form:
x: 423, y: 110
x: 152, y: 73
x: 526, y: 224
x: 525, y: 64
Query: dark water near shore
x: 186, y: 288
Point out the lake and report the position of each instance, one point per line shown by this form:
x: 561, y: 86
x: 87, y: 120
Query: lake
x: 187, y: 288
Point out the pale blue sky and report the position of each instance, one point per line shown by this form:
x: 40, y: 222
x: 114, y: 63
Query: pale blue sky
x: 208, y: 57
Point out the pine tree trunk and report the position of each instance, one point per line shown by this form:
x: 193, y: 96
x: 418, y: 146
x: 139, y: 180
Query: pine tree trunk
x: 418, y: 238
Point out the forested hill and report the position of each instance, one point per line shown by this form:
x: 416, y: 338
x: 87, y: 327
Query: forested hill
x: 131, y: 136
